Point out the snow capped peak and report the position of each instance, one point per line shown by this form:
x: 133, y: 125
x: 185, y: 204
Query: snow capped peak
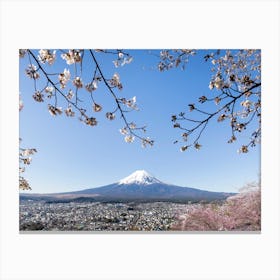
x: 140, y: 177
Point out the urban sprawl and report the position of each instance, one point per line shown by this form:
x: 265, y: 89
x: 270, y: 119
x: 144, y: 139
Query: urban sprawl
x: 97, y: 216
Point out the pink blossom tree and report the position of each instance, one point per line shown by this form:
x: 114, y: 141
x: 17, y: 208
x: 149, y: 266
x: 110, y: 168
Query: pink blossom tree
x: 241, y: 212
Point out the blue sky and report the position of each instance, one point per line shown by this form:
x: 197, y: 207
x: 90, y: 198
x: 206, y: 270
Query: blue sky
x: 73, y: 156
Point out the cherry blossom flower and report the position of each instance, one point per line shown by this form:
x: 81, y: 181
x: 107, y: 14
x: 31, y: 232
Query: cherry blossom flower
x: 124, y: 131
x: 129, y: 138
x: 191, y: 107
x: 232, y: 139
x: 70, y: 94
x: 38, y: 96
x: 183, y: 148
x: 32, y: 72
x: 91, y: 121
x: 78, y: 82
x: 131, y: 103
x: 197, y: 146
x: 54, y: 111
x: 22, y: 52
x: 72, y: 56
x: 28, y: 152
x: 97, y: 107
x: 49, y: 89
x: 243, y: 149
x: 218, y: 83
x: 64, y: 78
x: 127, y: 60
x: 246, y: 103
x: 239, y: 126
x: 110, y: 116
x: 91, y: 86
x: 147, y: 141
x: 217, y: 100
x: 21, y: 169
x: 46, y: 56
x: 115, y: 81
x: 211, y: 85
x: 222, y: 117
x: 26, y: 160
x: 23, y: 184
x: 69, y: 112
x: 185, y: 136
x: 202, y: 99
x: 132, y: 125
x: 122, y: 59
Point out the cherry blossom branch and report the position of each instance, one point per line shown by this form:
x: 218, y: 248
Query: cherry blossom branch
x: 75, y: 57
x: 236, y: 76
x: 119, y: 108
x: 201, y: 124
x: 82, y: 111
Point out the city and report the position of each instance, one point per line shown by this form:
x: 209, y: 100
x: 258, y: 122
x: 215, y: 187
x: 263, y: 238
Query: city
x: 98, y: 216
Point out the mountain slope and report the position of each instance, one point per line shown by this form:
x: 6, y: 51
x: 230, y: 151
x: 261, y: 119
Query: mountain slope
x: 141, y: 185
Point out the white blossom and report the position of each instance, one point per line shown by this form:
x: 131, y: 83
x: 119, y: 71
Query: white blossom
x: 69, y: 112
x: 129, y: 138
x: 70, y: 94
x: 38, y: 96
x: 243, y: 149
x: 124, y: 131
x: 78, y: 82
x: 131, y: 103
x: 183, y: 148
x: 132, y: 125
x: 115, y: 81
x: 49, y: 89
x: 247, y: 103
x: 91, y: 121
x: 64, y: 77
x: 54, y: 110
x: 110, y: 116
x: 91, y: 86
x: 22, y: 52
x: 28, y: 152
x: 97, y: 107
x: 32, y: 72
x: 197, y: 146
x: 23, y: 184
x: 26, y: 160
x: 218, y: 83
x: 72, y: 56
x: 147, y: 141
x: 211, y: 85
x: 46, y: 56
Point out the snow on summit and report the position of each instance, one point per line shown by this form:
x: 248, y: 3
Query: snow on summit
x: 140, y: 177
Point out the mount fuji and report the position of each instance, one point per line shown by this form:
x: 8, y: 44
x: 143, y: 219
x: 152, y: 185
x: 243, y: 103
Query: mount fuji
x: 138, y: 186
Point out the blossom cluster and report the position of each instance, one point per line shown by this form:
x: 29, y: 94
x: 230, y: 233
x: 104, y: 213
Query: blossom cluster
x: 241, y: 212
x: 235, y: 87
x: 25, y: 159
x: 46, y: 56
x: 68, y: 85
x: 72, y: 56
x: 122, y: 59
x: 173, y: 58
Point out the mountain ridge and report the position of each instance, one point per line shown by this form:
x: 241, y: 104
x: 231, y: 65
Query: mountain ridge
x: 139, y: 185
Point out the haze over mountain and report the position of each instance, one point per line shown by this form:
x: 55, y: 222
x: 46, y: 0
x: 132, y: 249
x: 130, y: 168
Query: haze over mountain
x: 139, y: 185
